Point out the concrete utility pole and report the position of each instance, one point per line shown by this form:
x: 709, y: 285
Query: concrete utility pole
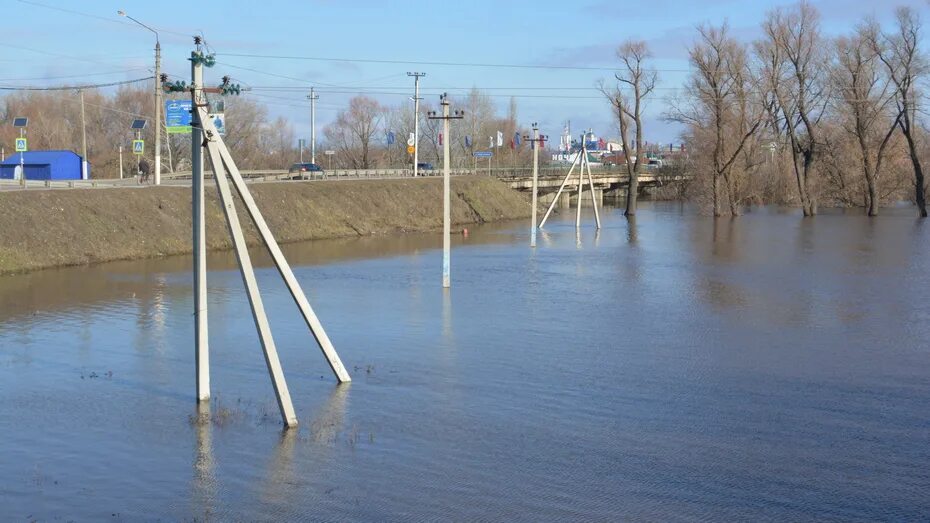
x: 416, y: 119
x: 536, y: 141
x: 313, y: 98
x: 201, y: 334
x: 120, y: 162
x: 446, y: 204
x: 83, y: 140
x: 158, y: 107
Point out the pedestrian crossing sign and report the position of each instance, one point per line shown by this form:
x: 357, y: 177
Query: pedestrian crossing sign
x: 138, y: 147
x: 21, y: 145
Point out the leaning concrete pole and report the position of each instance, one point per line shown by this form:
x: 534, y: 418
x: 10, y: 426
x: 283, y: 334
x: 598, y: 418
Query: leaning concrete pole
x: 201, y: 338
x: 584, y: 161
x: 446, y: 211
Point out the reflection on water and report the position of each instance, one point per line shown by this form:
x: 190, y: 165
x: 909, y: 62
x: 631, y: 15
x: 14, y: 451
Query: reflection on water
x: 670, y: 366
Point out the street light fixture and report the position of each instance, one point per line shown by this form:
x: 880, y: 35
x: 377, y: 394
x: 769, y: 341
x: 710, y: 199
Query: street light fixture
x: 158, y: 104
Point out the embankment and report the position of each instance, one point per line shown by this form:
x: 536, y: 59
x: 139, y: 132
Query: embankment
x: 51, y: 228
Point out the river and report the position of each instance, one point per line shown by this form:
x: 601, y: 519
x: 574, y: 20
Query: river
x: 765, y: 368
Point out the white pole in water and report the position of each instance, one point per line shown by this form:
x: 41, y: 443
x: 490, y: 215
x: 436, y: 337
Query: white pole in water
x: 201, y: 337
x: 597, y: 216
x: 584, y: 161
x: 446, y: 205
x: 535, y: 143
x: 446, y: 211
x: 559, y: 192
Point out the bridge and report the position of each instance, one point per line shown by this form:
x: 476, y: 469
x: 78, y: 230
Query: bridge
x: 606, y: 182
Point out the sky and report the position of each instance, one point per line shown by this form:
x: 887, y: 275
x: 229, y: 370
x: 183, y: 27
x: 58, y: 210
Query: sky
x: 563, y: 49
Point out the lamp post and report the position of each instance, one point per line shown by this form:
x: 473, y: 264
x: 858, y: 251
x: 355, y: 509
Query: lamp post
x: 158, y: 108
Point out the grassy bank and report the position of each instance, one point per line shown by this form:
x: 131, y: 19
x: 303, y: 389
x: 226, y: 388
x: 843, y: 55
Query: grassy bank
x: 50, y: 228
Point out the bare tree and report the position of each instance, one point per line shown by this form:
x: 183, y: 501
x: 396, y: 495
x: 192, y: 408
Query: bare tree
x: 355, y: 129
x: 795, y: 77
x: 722, y: 102
x: 865, y: 100
x: 906, y: 67
x: 634, y: 76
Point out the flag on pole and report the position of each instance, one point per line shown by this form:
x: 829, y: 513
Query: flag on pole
x: 516, y: 139
x: 390, y: 138
x: 440, y: 138
x: 467, y: 141
x: 500, y: 139
x: 490, y: 142
x: 512, y: 146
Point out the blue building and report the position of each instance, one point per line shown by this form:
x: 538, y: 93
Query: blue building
x: 44, y: 165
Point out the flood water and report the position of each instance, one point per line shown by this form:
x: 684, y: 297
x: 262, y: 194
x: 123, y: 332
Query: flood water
x: 766, y: 368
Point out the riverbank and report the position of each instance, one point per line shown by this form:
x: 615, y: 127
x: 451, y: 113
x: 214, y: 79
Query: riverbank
x: 54, y: 228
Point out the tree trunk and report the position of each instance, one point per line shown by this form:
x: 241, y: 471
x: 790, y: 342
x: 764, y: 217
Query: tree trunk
x: 632, y: 192
x: 717, y: 211
x: 920, y: 195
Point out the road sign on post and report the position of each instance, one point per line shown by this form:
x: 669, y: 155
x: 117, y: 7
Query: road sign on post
x: 21, y: 145
x: 138, y: 147
x: 411, y: 149
x: 483, y: 154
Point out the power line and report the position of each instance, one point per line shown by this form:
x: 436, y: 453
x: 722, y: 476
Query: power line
x: 449, y: 64
x: 96, y: 17
x: 72, y: 75
x: 76, y: 87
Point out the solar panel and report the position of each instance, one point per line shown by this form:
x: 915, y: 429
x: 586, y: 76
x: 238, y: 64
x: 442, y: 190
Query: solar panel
x: 20, y: 121
x: 138, y: 124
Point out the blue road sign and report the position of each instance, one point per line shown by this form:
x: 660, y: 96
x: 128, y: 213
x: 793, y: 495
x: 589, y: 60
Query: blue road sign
x: 138, y: 146
x: 21, y: 146
x: 483, y: 154
x: 178, y: 116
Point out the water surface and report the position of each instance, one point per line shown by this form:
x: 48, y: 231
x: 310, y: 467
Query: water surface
x: 766, y: 368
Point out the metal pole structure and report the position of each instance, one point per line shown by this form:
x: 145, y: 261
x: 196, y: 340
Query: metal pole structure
x: 559, y: 193
x: 313, y: 98
x: 535, y: 143
x: 121, y: 162
x: 22, y: 161
x: 158, y: 110
x: 83, y: 140
x: 416, y: 119
x: 201, y: 336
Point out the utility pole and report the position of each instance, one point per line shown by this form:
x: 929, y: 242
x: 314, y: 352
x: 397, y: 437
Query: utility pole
x: 446, y: 206
x: 536, y: 141
x: 201, y: 336
x: 158, y: 108
x: 416, y: 119
x: 121, y: 162
x: 313, y: 97
x: 83, y: 140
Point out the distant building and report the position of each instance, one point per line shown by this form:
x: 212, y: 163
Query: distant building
x: 43, y: 165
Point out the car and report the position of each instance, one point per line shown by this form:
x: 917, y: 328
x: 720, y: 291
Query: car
x: 424, y: 166
x: 303, y: 170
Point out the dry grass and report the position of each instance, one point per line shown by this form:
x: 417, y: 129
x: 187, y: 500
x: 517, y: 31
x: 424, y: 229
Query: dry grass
x: 50, y: 228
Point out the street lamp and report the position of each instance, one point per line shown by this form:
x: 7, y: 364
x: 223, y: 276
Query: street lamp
x: 157, y: 97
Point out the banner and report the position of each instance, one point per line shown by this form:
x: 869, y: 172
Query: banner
x: 500, y: 139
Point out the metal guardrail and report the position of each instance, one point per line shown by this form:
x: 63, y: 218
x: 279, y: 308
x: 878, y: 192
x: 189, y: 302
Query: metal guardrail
x: 271, y: 175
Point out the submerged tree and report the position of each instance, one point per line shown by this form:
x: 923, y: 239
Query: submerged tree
x: 906, y: 68
x: 636, y: 77
x: 865, y: 102
x: 794, y: 75
x: 722, y: 107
